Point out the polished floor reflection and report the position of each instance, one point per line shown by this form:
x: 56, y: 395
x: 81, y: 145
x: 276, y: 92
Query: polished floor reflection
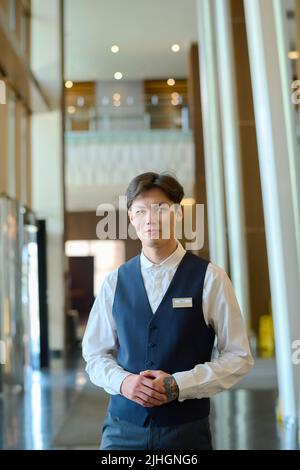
x: 246, y: 419
x: 240, y: 419
x: 31, y: 420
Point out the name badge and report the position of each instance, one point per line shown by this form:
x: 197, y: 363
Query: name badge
x: 182, y: 302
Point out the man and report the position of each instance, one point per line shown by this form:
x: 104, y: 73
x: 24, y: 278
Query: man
x: 152, y: 328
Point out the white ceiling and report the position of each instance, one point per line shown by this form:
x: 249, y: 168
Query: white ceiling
x: 143, y: 29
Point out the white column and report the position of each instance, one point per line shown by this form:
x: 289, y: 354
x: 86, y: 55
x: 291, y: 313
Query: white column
x: 283, y: 46
x: 47, y: 156
x: 212, y: 134
x: 232, y: 156
x: 270, y: 102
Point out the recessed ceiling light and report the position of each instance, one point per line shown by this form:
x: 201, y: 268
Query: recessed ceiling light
x: 171, y: 82
x: 69, y: 84
x: 293, y: 55
x: 176, y: 98
x: 114, y: 49
x: 118, y: 75
x: 175, y: 48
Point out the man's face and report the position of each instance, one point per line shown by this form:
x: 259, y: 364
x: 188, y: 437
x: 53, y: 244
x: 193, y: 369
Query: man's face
x: 153, y: 215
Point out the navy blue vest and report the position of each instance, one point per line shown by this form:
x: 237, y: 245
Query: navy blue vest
x: 171, y: 339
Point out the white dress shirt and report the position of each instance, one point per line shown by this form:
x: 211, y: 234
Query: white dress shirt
x: 221, y: 312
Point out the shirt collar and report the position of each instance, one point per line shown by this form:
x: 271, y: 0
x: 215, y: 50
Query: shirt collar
x: 170, y: 262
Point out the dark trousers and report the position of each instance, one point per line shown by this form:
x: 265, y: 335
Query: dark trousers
x: 118, y: 434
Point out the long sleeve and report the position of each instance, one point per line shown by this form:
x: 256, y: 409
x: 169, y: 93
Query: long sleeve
x: 99, y: 346
x: 222, y: 313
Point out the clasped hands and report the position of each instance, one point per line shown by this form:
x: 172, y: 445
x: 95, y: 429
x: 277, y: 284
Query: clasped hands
x: 150, y: 388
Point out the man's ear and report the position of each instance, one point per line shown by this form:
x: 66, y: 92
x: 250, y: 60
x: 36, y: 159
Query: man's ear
x: 179, y: 213
x: 129, y: 212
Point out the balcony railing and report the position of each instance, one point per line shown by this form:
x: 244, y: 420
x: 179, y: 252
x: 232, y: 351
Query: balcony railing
x: 127, y: 118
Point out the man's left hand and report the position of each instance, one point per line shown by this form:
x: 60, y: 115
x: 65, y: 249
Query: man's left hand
x: 163, y: 382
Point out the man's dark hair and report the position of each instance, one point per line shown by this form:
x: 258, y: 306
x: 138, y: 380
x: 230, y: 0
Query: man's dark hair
x: 163, y: 181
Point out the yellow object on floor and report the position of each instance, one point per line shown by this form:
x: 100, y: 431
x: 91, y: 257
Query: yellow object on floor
x: 279, y: 411
x: 266, y: 336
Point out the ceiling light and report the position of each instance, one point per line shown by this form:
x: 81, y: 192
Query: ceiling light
x: 177, y: 98
x: 71, y: 109
x: 69, y: 84
x: 118, y: 75
x: 117, y: 96
x: 171, y: 82
x: 293, y: 55
x: 114, y: 48
x: 175, y: 48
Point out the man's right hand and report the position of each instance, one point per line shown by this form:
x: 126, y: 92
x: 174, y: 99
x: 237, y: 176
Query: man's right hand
x: 139, y: 389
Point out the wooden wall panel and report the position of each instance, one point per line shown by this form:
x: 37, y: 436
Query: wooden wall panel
x: 195, y: 114
x: 86, y: 90
x: 82, y: 226
x: 164, y: 115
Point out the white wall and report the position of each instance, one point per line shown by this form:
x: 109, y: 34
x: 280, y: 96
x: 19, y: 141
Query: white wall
x: 100, y: 166
x: 45, y: 53
x: 47, y: 202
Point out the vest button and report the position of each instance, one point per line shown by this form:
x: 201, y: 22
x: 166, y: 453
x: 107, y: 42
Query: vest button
x: 150, y: 363
x: 153, y: 327
x: 152, y: 345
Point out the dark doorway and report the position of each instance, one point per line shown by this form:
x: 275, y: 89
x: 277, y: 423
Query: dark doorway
x: 81, y: 271
x: 43, y: 300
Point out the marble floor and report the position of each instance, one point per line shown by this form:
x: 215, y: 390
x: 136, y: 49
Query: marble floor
x: 240, y: 418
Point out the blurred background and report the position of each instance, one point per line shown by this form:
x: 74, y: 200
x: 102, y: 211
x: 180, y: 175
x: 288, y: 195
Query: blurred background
x: 95, y: 92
